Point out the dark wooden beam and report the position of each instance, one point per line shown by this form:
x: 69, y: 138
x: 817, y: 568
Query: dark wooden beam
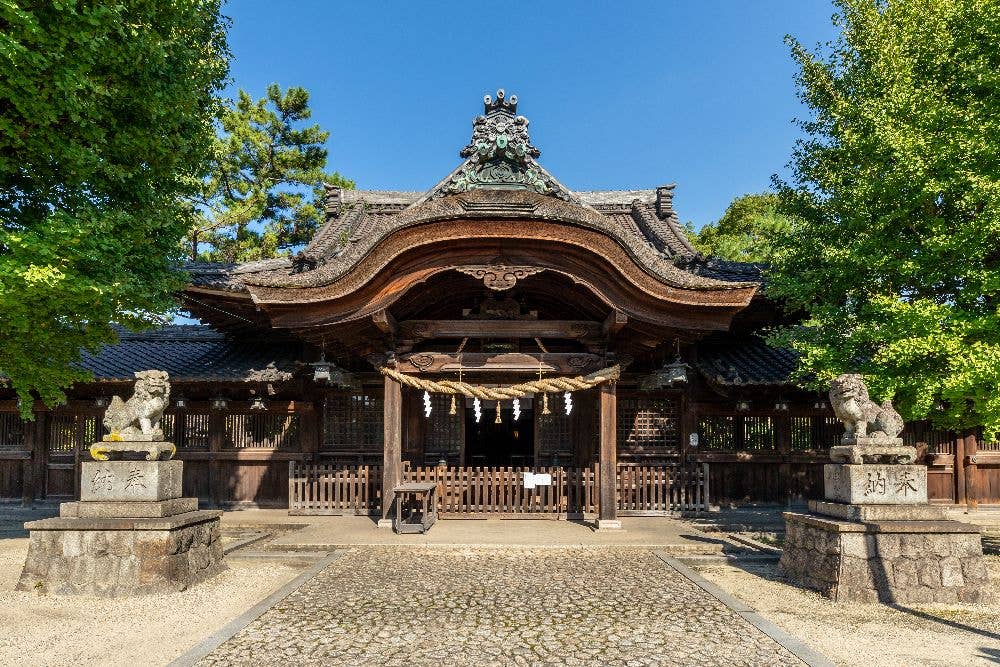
x: 616, y: 322
x: 571, y: 329
x: 385, y: 322
x: 473, y: 362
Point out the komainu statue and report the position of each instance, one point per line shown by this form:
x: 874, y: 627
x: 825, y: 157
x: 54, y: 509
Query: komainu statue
x: 138, y: 418
x: 871, y: 431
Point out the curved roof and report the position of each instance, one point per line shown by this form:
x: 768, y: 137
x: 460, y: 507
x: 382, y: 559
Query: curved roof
x: 498, y: 195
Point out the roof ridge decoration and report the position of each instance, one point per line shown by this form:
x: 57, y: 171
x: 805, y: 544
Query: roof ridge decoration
x: 500, y: 156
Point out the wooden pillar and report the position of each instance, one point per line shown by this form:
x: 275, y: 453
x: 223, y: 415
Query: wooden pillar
x: 971, y: 470
x: 392, y: 464
x: 216, y: 436
x: 40, y: 453
x: 959, y: 468
x: 28, y: 465
x: 608, y: 510
x: 783, y: 436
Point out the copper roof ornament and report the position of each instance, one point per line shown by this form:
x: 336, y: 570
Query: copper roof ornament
x: 500, y: 156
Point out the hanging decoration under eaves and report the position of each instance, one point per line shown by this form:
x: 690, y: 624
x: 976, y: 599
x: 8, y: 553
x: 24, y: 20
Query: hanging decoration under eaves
x: 539, y: 386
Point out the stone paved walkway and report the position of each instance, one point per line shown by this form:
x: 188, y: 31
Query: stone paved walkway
x: 465, y: 606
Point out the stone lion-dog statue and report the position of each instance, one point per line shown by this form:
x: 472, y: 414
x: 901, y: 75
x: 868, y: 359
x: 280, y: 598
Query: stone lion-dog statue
x: 871, y: 431
x: 134, y: 425
x: 863, y: 418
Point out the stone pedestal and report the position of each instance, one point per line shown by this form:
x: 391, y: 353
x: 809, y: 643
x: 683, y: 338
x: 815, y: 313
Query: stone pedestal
x: 131, y: 533
x: 122, y: 557
x: 883, y: 556
x: 875, y: 484
x: 131, y: 481
x: 875, y: 539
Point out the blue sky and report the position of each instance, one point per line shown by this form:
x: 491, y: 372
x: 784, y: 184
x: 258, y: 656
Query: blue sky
x: 619, y: 94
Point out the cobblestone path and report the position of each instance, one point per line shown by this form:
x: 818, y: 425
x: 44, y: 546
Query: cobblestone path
x: 421, y: 606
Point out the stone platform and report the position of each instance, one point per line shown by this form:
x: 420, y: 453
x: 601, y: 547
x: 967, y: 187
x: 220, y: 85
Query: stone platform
x: 122, y: 556
x: 131, y: 533
x: 888, y: 553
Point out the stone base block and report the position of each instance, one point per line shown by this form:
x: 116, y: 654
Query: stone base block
x: 129, y: 510
x: 608, y: 524
x: 866, y: 513
x: 153, y: 450
x: 122, y: 557
x: 385, y: 523
x: 886, y: 561
x: 131, y: 481
x: 875, y: 484
x: 874, y: 453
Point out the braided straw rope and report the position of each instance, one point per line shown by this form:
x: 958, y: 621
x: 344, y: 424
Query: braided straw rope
x: 545, y: 385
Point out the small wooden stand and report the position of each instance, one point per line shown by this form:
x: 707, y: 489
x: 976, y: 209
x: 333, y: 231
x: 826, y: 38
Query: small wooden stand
x: 426, y: 494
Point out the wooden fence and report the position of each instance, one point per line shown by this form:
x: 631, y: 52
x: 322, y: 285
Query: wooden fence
x: 501, y: 492
x: 658, y: 490
x: 333, y: 489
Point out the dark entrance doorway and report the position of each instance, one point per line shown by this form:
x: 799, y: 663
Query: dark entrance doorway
x: 509, y: 443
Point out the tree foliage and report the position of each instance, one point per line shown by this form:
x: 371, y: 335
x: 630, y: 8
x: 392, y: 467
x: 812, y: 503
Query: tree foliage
x: 748, y: 231
x: 897, y: 182
x: 264, y: 193
x: 105, y: 120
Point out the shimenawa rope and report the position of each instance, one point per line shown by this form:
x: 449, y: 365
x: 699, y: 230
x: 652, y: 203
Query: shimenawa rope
x: 542, y: 385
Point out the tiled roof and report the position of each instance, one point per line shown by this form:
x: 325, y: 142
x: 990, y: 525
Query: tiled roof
x: 721, y: 269
x: 189, y: 352
x: 747, y: 362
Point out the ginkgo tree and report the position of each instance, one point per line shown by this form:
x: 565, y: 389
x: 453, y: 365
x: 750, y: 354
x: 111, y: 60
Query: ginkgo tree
x: 896, y: 262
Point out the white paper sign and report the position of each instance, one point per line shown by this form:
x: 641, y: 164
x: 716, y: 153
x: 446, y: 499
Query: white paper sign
x: 529, y: 480
x: 543, y: 479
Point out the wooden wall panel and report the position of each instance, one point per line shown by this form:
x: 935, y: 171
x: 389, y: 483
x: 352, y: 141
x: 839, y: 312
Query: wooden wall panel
x: 263, y: 483
x: 987, y: 484
x: 196, y: 481
x: 10, y: 479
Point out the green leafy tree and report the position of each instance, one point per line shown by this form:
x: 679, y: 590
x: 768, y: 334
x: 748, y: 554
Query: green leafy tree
x: 897, y: 182
x: 264, y: 193
x: 748, y: 231
x: 106, y: 116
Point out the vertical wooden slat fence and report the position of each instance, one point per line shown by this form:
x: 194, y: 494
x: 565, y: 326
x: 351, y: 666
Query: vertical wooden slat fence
x: 659, y: 490
x: 500, y: 492
x: 333, y: 489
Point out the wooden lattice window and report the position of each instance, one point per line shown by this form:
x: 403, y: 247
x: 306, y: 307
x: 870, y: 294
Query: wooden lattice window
x: 829, y: 431
x: 67, y: 433
x: 758, y: 433
x: 352, y: 423
x: 11, y: 431
x: 938, y: 441
x: 803, y: 434
x: 443, y: 432
x: 261, y: 430
x: 717, y: 432
x: 552, y: 434
x: 187, y: 430
x: 648, y: 426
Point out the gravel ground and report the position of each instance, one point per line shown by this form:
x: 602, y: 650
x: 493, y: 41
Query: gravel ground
x: 44, y: 630
x: 866, y: 635
x: 474, y: 606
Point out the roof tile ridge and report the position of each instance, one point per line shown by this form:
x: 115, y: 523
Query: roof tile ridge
x: 666, y: 237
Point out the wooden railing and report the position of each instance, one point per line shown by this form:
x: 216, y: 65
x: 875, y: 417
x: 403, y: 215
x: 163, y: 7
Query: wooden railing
x: 333, y: 489
x: 501, y: 492
x: 658, y: 490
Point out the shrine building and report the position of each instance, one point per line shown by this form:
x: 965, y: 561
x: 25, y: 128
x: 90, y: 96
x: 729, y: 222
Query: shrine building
x: 631, y: 370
